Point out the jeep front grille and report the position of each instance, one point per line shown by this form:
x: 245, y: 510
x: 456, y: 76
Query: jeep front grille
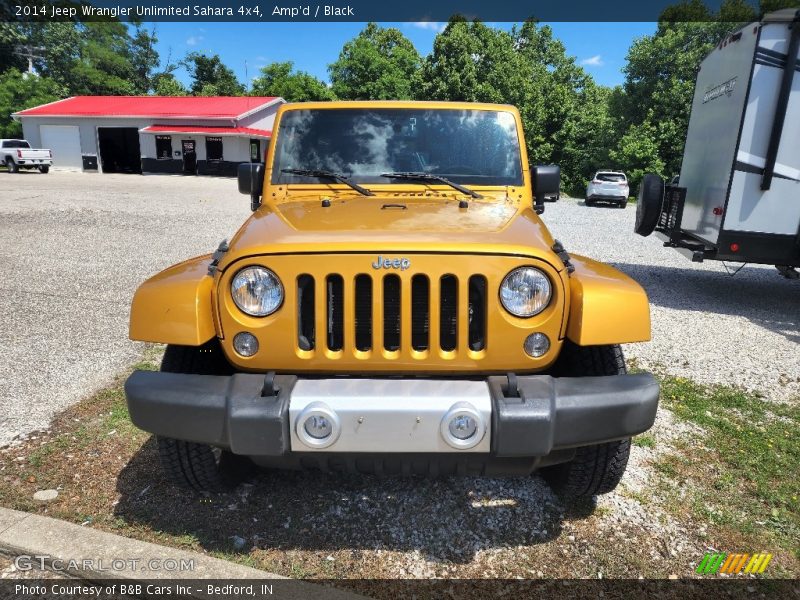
x: 435, y: 309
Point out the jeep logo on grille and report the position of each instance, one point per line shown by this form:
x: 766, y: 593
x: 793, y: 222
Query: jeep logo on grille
x: 391, y: 263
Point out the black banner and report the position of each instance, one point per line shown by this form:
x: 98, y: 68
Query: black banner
x: 343, y: 10
x: 289, y: 589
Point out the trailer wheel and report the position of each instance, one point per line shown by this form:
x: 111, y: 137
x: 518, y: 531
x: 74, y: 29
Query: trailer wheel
x: 648, y: 204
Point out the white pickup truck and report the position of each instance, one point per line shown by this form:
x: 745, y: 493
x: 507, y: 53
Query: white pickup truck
x: 18, y: 154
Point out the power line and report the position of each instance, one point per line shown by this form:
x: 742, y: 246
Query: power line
x: 31, y: 53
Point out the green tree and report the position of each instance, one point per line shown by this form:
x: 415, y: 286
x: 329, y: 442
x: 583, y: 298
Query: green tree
x: 165, y: 84
x: 561, y: 90
x: 475, y: 63
x: 278, y: 79
x: 527, y: 68
x: 94, y: 58
x: 586, y: 137
x: 637, y: 153
x: 19, y: 91
x: 61, y: 43
x: 104, y: 66
x: 378, y: 64
x: 11, y: 39
x: 211, y: 77
x: 661, y: 71
x: 144, y: 59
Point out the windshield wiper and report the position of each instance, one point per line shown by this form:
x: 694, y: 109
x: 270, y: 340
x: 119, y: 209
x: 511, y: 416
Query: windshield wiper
x: 420, y: 176
x: 329, y: 175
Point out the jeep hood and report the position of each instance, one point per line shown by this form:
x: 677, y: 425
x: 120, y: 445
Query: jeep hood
x: 391, y: 223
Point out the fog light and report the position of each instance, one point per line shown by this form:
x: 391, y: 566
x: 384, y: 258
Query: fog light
x: 245, y: 344
x: 463, y: 427
x: 536, y: 345
x: 318, y: 426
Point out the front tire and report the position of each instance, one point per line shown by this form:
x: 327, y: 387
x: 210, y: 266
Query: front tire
x: 201, y: 467
x: 596, y: 469
x: 190, y: 465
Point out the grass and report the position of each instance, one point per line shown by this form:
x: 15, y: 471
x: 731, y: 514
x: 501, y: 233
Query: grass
x: 747, y: 468
x: 732, y: 486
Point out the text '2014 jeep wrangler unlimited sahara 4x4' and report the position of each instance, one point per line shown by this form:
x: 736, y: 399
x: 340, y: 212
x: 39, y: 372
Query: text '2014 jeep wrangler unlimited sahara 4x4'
x: 394, y: 305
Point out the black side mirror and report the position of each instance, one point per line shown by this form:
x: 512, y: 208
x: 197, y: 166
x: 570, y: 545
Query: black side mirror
x: 546, y: 181
x: 251, y: 182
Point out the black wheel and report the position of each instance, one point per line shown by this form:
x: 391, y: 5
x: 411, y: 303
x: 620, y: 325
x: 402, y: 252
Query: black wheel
x: 190, y: 465
x: 207, y: 359
x: 44, y: 169
x: 11, y: 165
x: 595, y: 469
x: 201, y: 467
x: 588, y: 202
x: 623, y: 204
x: 648, y: 204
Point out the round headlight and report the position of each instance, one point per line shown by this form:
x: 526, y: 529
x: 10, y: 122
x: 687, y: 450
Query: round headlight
x: 257, y: 291
x: 525, y: 292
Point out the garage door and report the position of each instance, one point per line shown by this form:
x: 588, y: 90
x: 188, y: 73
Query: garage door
x: 64, y: 141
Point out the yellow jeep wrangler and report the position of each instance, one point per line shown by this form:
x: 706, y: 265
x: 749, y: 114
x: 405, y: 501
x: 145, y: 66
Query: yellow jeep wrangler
x: 394, y: 305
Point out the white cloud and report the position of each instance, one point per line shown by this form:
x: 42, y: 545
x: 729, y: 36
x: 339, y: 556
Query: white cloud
x: 593, y: 61
x: 430, y: 25
x: 194, y: 40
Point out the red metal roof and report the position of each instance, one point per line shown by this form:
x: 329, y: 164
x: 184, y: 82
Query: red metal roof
x: 249, y: 131
x: 172, y: 107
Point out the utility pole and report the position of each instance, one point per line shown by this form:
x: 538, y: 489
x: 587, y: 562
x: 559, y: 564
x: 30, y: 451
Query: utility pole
x: 31, y: 53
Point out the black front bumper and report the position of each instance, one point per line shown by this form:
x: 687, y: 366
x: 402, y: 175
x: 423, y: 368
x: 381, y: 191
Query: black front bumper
x: 542, y: 415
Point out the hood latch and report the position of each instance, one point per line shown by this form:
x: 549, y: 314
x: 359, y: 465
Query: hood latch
x: 217, y: 256
x: 558, y: 248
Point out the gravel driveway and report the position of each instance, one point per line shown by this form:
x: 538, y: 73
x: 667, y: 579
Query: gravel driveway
x: 74, y: 248
x: 707, y: 326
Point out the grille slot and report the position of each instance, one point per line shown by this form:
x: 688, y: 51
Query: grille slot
x: 448, y: 313
x: 420, y: 313
x: 335, y: 308
x: 391, y: 312
x: 363, y: 313
x: 407, y: 315
x: 305, y: 312
x: 477, y: 313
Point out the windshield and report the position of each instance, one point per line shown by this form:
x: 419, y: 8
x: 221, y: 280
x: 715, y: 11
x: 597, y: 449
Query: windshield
x: 617, y: 177
x: 466, y: 146
x: 16, y: 144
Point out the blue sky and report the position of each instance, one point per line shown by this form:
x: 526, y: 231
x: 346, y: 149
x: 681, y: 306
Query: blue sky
x: 600, y: 47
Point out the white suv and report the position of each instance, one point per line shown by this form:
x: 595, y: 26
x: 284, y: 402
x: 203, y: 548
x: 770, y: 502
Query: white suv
x: 608, y: 186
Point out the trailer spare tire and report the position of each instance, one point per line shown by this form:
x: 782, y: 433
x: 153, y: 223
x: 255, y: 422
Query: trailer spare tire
x: 648, y: 205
